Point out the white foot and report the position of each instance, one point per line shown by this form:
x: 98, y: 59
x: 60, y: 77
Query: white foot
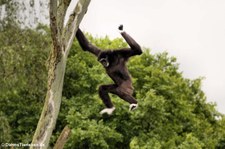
x: 109, y: 111
x: 133, y: 106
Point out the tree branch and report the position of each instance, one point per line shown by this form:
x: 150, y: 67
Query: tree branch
x: 62, y: 8
x: 53, y: 21
x: 64, y: 136
x: 73, y: 23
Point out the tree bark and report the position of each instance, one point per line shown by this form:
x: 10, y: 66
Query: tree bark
x: 63, y: 138
x: 62, y: 37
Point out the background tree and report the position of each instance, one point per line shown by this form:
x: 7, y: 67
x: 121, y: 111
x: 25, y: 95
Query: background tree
x: 173, y: 111
x: 23, y: 77
x: 26, y: 13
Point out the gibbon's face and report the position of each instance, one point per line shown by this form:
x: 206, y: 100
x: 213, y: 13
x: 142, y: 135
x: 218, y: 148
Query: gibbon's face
x: 104, y: 61
x: 104, y: 58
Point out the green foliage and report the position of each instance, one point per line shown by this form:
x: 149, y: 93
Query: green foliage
x: 4, y: 128
x: 191, y: 142
x: 23, y: 77
x: 172, y: 113
x: 2, y: 2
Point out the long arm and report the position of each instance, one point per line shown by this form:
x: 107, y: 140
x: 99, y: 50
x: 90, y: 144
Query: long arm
x: 135, y: 47
x: 85, y: 44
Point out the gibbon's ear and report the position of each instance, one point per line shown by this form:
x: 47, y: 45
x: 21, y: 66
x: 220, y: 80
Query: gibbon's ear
x: 121, y: 27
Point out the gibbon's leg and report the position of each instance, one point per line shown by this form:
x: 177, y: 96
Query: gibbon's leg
x: 126, y: 94
x: 104, y: 95
x: 129, y: 98
x: 123, y: 92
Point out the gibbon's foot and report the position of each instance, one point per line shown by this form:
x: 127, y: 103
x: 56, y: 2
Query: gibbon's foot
x: 109, y: 111
x: 133, y: 106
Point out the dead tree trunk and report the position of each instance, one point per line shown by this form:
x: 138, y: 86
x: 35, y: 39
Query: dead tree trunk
x: 62, y: 37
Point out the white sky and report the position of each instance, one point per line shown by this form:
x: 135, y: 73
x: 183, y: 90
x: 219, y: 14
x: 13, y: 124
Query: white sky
x: 191, y: 30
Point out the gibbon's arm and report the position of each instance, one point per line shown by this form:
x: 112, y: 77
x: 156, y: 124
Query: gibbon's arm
x: 135, y: 47
x: 85, y: 44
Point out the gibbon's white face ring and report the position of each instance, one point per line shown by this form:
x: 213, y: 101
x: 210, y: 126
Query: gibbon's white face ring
x: 104, y: 62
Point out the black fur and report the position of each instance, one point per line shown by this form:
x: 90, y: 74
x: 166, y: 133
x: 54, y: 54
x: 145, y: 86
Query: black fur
x: 116, y: 68
x: 120, y: 27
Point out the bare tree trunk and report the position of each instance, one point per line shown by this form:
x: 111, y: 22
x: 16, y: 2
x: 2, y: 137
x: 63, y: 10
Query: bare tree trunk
x: 62, y: 37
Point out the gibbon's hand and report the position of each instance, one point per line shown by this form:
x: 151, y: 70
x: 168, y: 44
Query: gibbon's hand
x: 120, y: 27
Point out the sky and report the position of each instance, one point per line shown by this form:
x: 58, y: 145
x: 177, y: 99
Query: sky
x: 191, y: 30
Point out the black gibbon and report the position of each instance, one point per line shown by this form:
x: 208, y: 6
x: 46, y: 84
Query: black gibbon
x: 114, y: 62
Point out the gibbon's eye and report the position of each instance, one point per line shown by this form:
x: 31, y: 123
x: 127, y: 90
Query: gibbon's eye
x: 104, y: 61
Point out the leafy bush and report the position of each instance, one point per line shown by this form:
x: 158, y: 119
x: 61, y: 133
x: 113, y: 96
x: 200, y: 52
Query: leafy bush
x: 172, y: 110
x: 172, y: 113
x: 23, y: 76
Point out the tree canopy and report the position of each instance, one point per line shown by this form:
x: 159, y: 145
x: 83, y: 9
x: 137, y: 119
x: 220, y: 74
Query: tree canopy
x: 173, y: 111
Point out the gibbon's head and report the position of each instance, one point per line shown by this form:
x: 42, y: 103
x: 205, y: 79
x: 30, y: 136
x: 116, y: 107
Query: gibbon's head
x: 104, y: 58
